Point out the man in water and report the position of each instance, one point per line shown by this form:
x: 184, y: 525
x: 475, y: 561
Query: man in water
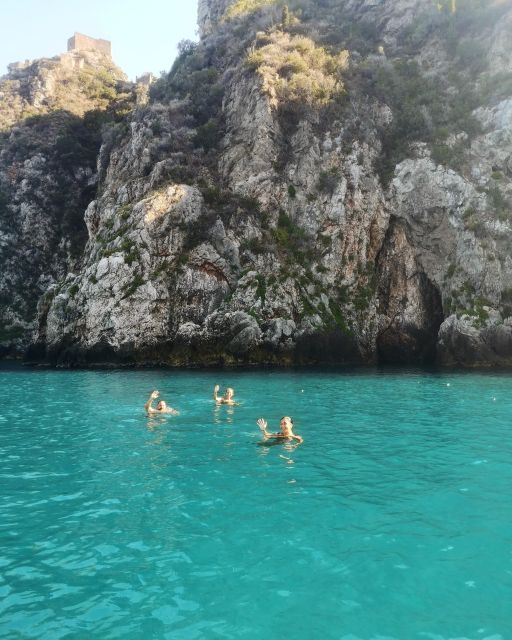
x: 286, y: 432
x: 161, y: 407
x: 227, y: 398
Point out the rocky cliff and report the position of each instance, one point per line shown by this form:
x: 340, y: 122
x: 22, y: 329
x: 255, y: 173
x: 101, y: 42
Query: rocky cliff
x: 52, y: 112
x: 304, y: 188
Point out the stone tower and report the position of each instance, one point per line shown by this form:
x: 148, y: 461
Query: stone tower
x: 79, y: 42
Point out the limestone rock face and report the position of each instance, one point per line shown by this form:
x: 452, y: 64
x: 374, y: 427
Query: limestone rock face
x: 274, y: 203
x: 69, y: 82
x: 47, y: 177
x: 500, y: 55
x: 411, y: 308
x: 463, y: 344
x: 468, y: 266
x: 209, y: 13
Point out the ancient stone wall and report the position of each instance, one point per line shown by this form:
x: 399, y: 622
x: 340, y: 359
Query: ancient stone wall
x: 80, y: 42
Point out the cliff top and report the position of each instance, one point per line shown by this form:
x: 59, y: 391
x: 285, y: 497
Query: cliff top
x: 82, y: 79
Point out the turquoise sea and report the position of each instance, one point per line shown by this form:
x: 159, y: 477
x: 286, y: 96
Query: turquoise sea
x: 393, y: 521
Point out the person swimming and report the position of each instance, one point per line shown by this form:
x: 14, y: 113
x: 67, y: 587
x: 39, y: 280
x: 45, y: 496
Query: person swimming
x: 286, y: 433
x: 227, y: 398
x: 161, y: 407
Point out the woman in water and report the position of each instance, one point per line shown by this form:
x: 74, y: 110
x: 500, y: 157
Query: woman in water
x: 161, y: 407
x: 286, y: 433
x: 227, y: 398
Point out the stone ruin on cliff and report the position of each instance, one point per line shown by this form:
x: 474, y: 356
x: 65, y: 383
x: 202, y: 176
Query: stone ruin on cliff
x: 80, y: 42
x: 79, y: 46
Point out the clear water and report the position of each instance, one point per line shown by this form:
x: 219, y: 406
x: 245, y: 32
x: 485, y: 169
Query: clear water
x: 393, y: 522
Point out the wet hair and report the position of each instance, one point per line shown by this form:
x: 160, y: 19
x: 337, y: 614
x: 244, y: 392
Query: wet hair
x: 287, y: 418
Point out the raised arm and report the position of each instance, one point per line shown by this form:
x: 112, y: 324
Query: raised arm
x: 263, y: 424
x: 216, y: 393
x: 149, y: 404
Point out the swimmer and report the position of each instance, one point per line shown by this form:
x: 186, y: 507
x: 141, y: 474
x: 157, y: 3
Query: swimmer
x: 286, y: 433
x: 161, y: 407
x: 227, y: 398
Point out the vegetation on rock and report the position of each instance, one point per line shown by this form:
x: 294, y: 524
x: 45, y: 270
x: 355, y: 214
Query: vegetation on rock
x: 294, y: 70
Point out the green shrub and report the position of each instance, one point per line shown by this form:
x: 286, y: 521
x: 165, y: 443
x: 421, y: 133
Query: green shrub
x: 476, y: 311
x: 285, y: 16
x: 208, y: 135
x: 474, y: 224
x: 294, y: 70
x: 337, y: 314
x: 325, y: 241
x: 4, y: 201
x: 156, y: 128
x: 159, y: 270
x: 241, y: 7
x: 194, y: 78
x: 308, y: 309
x: 254, y: 245
x: 424, y: 110
x: 328, y: 181
x: 292, y: 241
x: 11, y: 333
x: 261, y: 289
x: 127, y: 245
x: 132, y: 256
x: 180, y: 174
x: 249, y: 204
x: 131, y: 288
x: 125, y: 211
x: 215, y: 196
x: 449, y: 156
x: 498, y: 201
x: 281, y: 237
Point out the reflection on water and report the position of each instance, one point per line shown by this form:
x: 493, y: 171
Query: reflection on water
x: 155, y: 421
x: 223, y: 414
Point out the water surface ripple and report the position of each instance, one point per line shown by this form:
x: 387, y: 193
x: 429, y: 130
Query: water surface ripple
x: 391, y: 522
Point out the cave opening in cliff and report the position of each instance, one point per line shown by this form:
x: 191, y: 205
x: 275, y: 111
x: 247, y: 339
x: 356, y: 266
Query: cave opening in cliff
x: 410, y: 304
x: 411, y: 338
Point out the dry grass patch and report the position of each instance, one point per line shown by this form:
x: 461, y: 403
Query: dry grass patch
x: 294, y: 69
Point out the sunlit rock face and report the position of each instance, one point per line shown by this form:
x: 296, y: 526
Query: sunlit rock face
x: 300, y: 190
x: 209, y: 13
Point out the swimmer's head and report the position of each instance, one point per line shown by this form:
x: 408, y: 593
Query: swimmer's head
x: 229, y: 393
x: 286, y: 424
x: 161, y: 406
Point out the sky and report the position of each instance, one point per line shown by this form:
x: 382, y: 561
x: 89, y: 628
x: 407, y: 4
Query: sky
x: 144, y: 33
